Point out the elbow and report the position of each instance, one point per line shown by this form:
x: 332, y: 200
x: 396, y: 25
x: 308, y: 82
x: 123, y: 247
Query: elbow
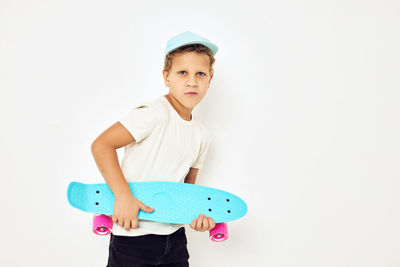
x: 99, y: 146
x: 95, y: 146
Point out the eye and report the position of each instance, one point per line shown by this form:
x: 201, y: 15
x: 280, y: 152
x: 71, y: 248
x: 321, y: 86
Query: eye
x: 201, y: 73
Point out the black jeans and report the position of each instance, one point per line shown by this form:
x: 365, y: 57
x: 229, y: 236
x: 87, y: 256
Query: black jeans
x: 149, y: 250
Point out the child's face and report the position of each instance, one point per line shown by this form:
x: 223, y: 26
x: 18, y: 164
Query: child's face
x: 190, y: 72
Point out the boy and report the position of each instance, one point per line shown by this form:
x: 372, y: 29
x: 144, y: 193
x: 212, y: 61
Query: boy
x: 163, y: 142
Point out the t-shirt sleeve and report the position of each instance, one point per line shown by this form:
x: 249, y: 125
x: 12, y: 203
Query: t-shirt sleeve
x: 140, y: 121
x: 204, y: 147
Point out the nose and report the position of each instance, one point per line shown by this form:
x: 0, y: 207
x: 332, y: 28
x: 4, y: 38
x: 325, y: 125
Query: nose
x: 191, y: 80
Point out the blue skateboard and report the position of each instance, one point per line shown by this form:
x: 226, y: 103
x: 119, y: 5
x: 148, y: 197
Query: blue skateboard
x: 173, y: 202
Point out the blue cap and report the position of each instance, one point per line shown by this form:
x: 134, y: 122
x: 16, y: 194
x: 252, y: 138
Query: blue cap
x: 186, y: 38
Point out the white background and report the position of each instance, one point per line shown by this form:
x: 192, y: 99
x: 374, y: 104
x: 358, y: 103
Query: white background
x: 303, y: 109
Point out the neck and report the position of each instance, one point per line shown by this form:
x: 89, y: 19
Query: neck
x: 184, y: 112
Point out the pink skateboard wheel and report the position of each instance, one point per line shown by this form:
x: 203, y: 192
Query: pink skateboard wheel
x: 102, y: 224
x: 219, y: 233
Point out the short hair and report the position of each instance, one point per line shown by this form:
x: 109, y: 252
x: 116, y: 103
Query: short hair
x: 198, y: 48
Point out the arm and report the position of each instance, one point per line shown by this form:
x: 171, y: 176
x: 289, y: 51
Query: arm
x: 191, y: 176
x: 104, y: 150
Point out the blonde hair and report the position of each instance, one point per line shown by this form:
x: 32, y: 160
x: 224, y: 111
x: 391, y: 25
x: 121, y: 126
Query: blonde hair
x: 198, y: 48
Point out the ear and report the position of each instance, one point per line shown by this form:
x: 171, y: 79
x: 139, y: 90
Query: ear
x: 165, y: 75
x: 211, y: 76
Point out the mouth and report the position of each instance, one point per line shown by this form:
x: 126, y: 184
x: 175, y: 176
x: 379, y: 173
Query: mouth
x: 191, y: 93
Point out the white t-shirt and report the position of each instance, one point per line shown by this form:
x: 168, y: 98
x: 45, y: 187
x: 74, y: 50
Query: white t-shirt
x: 166, y: 147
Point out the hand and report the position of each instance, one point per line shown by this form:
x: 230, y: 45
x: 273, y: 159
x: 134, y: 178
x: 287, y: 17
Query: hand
x: 126, y: 209
x: 203, y: 223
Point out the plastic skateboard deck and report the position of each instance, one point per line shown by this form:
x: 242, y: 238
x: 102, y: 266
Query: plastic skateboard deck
x: 173, y: 202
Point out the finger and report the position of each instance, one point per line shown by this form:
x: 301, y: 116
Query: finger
x: 199, y: 222
x: 193, y: 224
x: 120, y: 221
x: 146, y: 208
x: 134, y: 224
x: 205, y: 224
x: 127, y: 225
x: 212, y: 223
x: 114, y: 219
